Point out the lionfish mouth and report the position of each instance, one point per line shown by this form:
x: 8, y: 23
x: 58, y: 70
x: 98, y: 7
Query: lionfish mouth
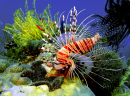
x: 73, y: 52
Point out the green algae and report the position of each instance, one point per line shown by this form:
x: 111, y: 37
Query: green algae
x: 26, y: 26
x: 25, y: 30
x: 109, y: 60
x: 121, y: 91
x: 16, y: 69
x: 68, y: 88
x: 3, y: 65
x: 17, y: 80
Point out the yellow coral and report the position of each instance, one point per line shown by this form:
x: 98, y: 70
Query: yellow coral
x: 25, y: 28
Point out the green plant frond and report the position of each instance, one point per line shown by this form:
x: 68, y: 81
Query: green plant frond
x: 26, y: 6
x: 121, y: 91
x: 34, y: 7
x: 56, y: 17
x: 5, y: 39
x: 46, y: 13
x: 19, y: 13
x: 2, y: 41
x: 24, y: 27
x: 2, y: 52
x: 9, y: 29
x: 22, y: 14
x: 125, y: 76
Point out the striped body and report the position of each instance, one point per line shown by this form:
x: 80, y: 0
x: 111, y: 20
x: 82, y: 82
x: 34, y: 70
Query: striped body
x: 71, y: 47
x: 77, y: 47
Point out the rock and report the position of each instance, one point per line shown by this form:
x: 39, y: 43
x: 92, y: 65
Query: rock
x: 52, y: 82
x: 16, y: 68
x: 36, y: 72
x: 17, y: 80
x: 44, y: 88
x: 56, y: 83
x: 6, y: 86
x: 3, y: 65
x: 68, y: 88
x: 8, y: 93
x: 6, y: 77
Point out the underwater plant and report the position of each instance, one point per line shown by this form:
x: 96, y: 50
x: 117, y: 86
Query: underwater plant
x: 123, y: 89
x: 23, y: 38
x: 11, y: 49
x: 24, y: 27
x: 116, y: 24
x: 6, y: 41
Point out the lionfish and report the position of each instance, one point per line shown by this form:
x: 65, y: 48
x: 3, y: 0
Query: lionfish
x: 73, y: 52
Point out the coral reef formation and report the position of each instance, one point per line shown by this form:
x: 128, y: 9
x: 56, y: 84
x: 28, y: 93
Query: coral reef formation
x: 67, y: 89
x: 18, y: 46
x: 34, y: 69
x: 11, y: 76
x: 37, y: 74
x: 3, y: 65
x: 112, y: 61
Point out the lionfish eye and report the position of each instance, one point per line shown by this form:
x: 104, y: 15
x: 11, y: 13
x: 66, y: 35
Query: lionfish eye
x: 57, y: 63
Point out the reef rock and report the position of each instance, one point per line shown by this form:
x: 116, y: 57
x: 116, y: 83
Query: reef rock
x: 68, y: 88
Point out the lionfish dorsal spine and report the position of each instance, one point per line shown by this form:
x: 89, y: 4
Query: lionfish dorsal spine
x: 57, y: 31
x: 64, y: 28
x: 74, y: 21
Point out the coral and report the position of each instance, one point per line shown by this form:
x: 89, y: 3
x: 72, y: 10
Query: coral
x: 68, y: 88
x: 5, y: 86
x: 115, y: 77
x: 17, y: 80
x: 36, y: 77
x: 126, y: 77
x: 3, y: 65
x: 17, y: 43
x: 128, y: 62
x: 121, y: 91
x: 7, y: 94
x: 15, y: 53
x: 21, y: 53
x: 56, y: 83
x: 5, y: 41
x: 52, y: 82
x: 37, y: 74
x: 16, y: 68
x: 10, y: 75
x: 24, y: 27
x: 33, y: 47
